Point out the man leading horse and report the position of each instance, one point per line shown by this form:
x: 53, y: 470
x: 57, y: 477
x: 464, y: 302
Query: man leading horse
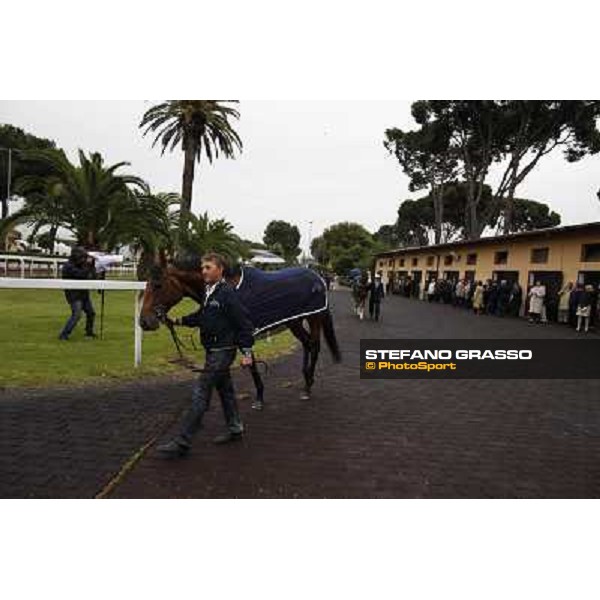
x: 224, y: 327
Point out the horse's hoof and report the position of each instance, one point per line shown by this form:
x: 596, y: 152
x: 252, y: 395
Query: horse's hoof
x: 257, y: 405
x: 304, y: 396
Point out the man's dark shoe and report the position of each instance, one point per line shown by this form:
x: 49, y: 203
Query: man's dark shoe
x: 173, y: 449
x: 64, y: 338
x: 225, y: 438
x: 91, y: 335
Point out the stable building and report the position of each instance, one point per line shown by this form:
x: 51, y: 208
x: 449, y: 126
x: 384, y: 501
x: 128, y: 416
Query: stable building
x: 553, y: 256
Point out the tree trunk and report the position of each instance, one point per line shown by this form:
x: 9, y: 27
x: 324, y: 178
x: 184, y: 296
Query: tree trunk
x: 471, y: 223
x: 509, y: 207
x: 53, y: 234
x: 187, y: 186
x: 4, y: 208
x: 438, y: 212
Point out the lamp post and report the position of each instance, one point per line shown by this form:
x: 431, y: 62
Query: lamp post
x: 8, y: 181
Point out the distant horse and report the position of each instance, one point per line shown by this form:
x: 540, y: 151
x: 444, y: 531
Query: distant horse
x: 360, y: 291
x: 291, y: 298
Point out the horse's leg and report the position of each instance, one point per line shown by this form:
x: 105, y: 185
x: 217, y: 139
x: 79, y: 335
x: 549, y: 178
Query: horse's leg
x: 259, y: 401
x: 303, y: 337
x: 314, y: 347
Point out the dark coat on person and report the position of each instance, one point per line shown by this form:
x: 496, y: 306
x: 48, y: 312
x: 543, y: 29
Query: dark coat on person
x: 223, y: 321
x: 376, y: 292
x: 77, y: 269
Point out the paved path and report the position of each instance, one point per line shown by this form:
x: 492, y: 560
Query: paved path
x: 469, y: 438
x: 418, y: 438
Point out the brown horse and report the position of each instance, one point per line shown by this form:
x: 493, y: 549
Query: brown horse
x: 169, y: 284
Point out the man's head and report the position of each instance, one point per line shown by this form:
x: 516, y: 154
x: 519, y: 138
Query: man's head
x: 78, y: 255
x: 213, y: 265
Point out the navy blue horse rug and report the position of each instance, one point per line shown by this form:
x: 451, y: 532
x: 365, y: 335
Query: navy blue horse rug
x: 272, y: 298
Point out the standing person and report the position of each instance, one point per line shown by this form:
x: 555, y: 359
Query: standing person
x: 584, y: 308
x: 492, y: 299
x: 563, y: 302
x: 468, y: 294
x: 459, y: 293
x: 536, y: 302
x: 224, y: 327
x: 503, y: 298
x: 79, y: 266
x: 515, y: 299
x: 594, y: 305
x: 486, y: 293
x: 431, y: 290
x: 376, y: 295
x: 478, y: 298
x: 573, y: 302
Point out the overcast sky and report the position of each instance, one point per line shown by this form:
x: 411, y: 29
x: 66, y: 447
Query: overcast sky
x: 320, y: 161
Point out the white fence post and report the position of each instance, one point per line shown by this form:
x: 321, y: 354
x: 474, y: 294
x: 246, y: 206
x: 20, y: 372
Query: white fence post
x: 137, y: 342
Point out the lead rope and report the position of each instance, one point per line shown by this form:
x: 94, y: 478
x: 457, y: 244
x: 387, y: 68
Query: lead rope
x: 187, y: 363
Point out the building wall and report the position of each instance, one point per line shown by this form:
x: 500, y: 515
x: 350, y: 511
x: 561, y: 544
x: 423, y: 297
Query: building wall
x: 564, y: 255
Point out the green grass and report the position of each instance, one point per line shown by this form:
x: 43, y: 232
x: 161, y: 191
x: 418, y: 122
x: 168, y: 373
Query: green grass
x: 32, y: 355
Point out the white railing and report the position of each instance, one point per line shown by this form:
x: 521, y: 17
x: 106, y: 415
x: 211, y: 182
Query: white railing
x: 27, y: 263
x: 91, y: 284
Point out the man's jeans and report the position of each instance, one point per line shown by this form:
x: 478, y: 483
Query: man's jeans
x: 215, y: 375
x: 77, y: 307
x: 374, y: 309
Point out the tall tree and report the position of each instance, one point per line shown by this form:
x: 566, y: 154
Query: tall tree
x: 217, y: 235
x: 148, y: 223
x: 318, y: 249
x: 44, y: 207
x: 533, y: 129
x: 200, y: 128
x: 88, y: 199
x: 17, y: 141
x: 415, y: 223
x: 528, y: 215
x: 426, y: 156
x: 348, y: 245
x: 281, y: 236
x: 514, y: 134
x: 387, y: 236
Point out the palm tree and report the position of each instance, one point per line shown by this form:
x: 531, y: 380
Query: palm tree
x: 150, y: 225
x: 204, y: 235
x: 43, y: 206
x: 89, y: 199
x: 201, y: 127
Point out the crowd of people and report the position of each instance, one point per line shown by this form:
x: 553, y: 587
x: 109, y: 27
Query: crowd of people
x: 490, y: 297
x: 576, y: 305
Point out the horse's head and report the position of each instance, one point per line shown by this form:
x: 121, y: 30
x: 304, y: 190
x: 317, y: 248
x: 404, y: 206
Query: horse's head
x: 161, y: 294
x: 165, y: 288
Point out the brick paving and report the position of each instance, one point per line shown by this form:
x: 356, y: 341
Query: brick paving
x: 383, y: 438
x: 69, y: 442
x: 418, y: 438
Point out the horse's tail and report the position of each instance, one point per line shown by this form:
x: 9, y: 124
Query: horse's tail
x: 329, y: 334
